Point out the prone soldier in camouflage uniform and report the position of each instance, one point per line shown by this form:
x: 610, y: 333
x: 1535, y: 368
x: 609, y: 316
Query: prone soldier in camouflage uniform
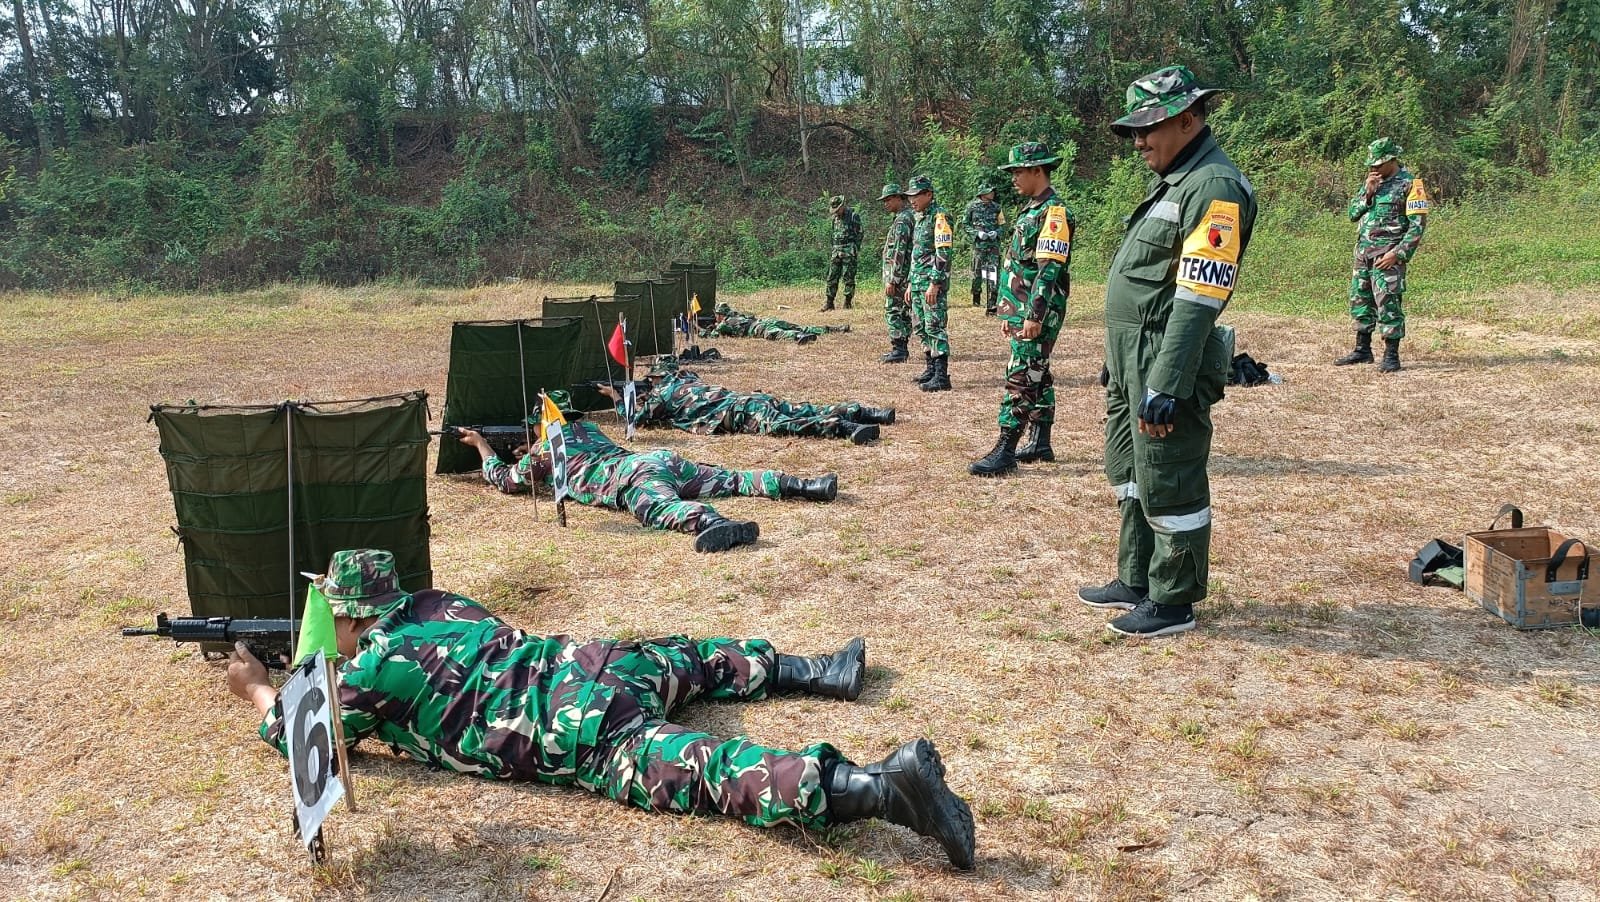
x: 1034, y: 286
x: 660, y: 488
x: 983, y: 221
x: 734, y: 324
x: 679, y: 399
x: 440, y: 679
x: 896, y: 269
x: 844, y: 251
x: 1393, y: 211
x: 930, y: 282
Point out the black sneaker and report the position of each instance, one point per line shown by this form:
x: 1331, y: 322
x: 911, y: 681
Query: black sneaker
x: 1116, y: 595
x: 1151, y: 620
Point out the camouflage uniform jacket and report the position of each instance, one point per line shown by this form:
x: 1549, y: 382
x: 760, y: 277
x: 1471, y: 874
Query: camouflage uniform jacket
x: 983, y: 216
x: 744, y: 325
x: 930, y: 248
x: 686, y: 402
x: 897, y: 248
x: 1395, y: 218
x: 1036, y: 278
x: 596, y: 467
x: 847, y: 233
x: 442, y: 680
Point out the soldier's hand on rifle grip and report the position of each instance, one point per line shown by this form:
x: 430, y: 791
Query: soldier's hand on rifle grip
x: 247, y: 678
x: 472, y: 438
x: 609, y: 392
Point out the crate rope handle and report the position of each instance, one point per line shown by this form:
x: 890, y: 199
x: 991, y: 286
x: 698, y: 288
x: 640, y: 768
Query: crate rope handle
x: 1560, y: 557
x: 1513, y: 510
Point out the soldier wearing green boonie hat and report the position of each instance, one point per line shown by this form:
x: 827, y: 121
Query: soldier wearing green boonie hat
x: 896, y: 269
x: 1034, y: 284
x: 844, y: 250
x: 1392, y: 208
x: 931, y: 240
x: 361, y: 583
x: 1166, y: 359
x: 983, y: 221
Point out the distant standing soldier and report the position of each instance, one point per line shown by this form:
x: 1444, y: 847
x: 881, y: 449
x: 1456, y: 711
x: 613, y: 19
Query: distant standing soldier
x: 1034, y: 286
x: 846, y: 248
x: 1393, y: 211
x: 930, y: 282
x: 983, y: 221
x: 1166, y: 360
x: 896, y: 269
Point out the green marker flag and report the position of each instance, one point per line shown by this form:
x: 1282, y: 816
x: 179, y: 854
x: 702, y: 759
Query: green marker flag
x: 316, y: 627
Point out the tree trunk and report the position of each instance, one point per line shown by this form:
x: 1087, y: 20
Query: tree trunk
x: 30, y: 72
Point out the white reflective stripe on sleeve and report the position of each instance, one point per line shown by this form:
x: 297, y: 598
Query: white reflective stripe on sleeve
x: 1167, y: 210
x: 1185, y: 294
x: 1125, y: 491
x: 1167, y: 524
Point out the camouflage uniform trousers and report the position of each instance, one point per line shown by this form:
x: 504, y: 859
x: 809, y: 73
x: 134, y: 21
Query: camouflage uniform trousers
x: 897, y: 315
x: 774, y: 416
x: 641, y: 759
x: 662, y: 488
x: 985, y: 256
x: 1030, y: 394
x: 930, y: 320
x: 842, y: 267
x: 1376, y: 295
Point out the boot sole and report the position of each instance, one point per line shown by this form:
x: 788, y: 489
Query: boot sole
x: 930, y: 385
x: 1173, y: 630
x: 1109, y: 605
x: 863, y: 435
x: 858, y: 649
x: 726, y: 535
x: 952, y: 818
x: 990, y: 474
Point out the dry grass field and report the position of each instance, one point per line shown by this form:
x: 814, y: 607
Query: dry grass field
x: 1329, y: 732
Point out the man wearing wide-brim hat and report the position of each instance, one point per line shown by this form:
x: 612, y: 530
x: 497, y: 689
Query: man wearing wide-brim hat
x: 931, y: 240
x: 1167, y: 360
x: 896, y: 270
x: 844, y: 250
x: 1392, y: 207
x: 983, y: 221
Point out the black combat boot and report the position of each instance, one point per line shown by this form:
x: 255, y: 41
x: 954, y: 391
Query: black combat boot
x: 817, y: 488
x: 866, y: 432
x: 883, y: 416
x: 897, y: 351
x: 843, y: 328
x: 719, y: 533
x: 907, y: 788
x: 1362, y: 353
x: 806, y: 339
x: 1038, y: 446
x: 926, y: 374
x: 1391, y: 356
x: 828, y: 305
x: 1114, y: 595
x: 1002, y: 458
x: 977, y: 298
x: 941, y: 375
x: 835, y: 676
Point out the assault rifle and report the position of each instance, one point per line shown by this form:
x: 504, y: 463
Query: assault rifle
x: 268, y: 640
x: 640, y: 385
x: 503, y: 439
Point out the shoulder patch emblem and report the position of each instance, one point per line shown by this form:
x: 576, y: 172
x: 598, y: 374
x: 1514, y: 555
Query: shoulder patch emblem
x: 941, y: 231
x: 1417, y: 200
x: 1210, y: 262
x: 1055, y: 236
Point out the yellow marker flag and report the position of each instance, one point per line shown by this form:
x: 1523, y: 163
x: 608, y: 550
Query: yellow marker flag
x: 549, y: 413
x: 316, y: 627
x: 694, y: 305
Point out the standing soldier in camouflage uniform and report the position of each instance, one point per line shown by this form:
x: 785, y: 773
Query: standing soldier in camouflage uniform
x: 679, y: 399
x: 733, y: 324
x: 1393, y: 211
x: 896, y: 269
x: 846, y: 248
x: 1166, y: 359
x: 983, y: 221
x: 930, y: 282
x: 443, y: 681
x: 1034, y: 287
x: 660, y: 488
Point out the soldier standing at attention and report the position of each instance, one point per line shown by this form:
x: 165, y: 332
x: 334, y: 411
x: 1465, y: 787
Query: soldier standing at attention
x: 896, y: 268
x: 1034, y: 286
x: 1166, y: 359
x: 845, y: 249
x: 1393, y: 211
x: 983, y: 221
x: 930, y: 282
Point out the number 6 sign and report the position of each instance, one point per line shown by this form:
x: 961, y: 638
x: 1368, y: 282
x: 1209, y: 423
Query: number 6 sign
x: 315, y: 746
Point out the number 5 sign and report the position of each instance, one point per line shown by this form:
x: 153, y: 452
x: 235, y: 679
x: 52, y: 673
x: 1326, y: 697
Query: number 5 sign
x: 317, y: 767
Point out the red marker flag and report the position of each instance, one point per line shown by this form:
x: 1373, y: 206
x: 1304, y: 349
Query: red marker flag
x: 618, y: 345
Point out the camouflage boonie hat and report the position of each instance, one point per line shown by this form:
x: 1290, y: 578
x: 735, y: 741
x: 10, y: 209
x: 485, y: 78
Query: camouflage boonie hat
x: 919, y: 184
x: 1028, y: 154
x: 724, y: 309
x: 562, y: 399
x: 1382, y: 151
x: 985, y: 188
x: 361, y: 583
x: 891, y: 190
x: 1158, y: 97
x: 836, y: 201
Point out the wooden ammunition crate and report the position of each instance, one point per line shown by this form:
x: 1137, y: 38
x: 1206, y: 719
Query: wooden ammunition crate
x: 1510, y: 573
